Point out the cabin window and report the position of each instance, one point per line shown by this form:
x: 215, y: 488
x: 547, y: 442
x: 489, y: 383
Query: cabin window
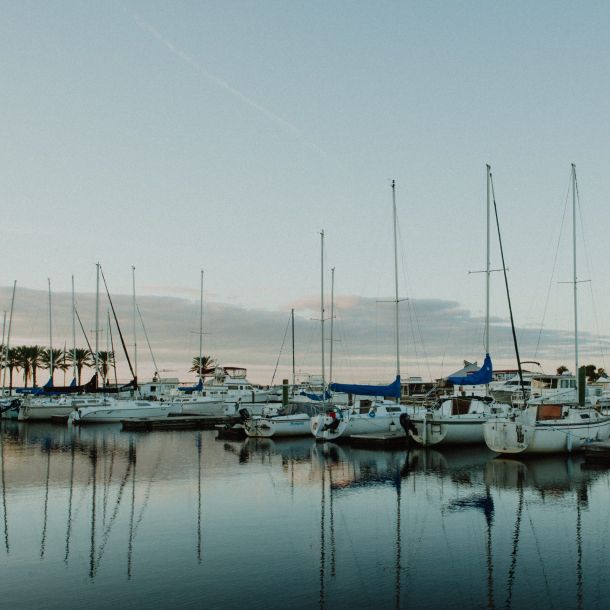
x: 546, y: 412
x: 153, y: 388
x: 233, y: 387
x: 459, y: 406
x: 392, y: 409
x: 585, y: 416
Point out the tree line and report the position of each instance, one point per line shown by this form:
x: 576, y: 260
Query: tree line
x: 29, y: 359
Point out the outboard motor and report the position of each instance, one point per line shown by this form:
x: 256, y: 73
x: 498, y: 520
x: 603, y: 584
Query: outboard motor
x: 407, y: 424
x: 244, y: 414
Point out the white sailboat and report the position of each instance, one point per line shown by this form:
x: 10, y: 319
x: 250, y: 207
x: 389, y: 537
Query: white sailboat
x: 373, y: 414
x: 193, y: 400
x: 460, y: 419
x: 295, y: 419
x: 551, y: 428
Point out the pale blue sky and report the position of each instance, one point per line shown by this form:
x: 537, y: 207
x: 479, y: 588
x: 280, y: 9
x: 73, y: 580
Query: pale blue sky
x: 176, y: 135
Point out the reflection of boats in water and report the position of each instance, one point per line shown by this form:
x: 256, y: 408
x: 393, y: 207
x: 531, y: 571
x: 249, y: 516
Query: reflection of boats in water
x: 547, y: 474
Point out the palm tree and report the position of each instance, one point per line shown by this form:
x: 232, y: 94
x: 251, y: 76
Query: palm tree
x: 12, y: 363
x: 36, y: 353
x: 80, y: 358
x: 22, y: 360
x: 105, y: 361
x: 203, y: 368
x: 55, y: 356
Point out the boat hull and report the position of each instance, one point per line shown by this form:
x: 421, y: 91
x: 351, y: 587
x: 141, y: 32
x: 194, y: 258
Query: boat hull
x: 438, y: 431
x: 43, y: 413
x: 515, y: 437
x: 284, y: 426
x: 115, y: 414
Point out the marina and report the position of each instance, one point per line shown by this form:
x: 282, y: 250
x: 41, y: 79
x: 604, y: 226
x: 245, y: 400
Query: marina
x: 148, y: 518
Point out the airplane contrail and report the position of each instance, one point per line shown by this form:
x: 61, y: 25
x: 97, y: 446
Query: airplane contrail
x: 185, y: 57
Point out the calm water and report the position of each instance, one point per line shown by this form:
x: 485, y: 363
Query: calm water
x: 96, y: 517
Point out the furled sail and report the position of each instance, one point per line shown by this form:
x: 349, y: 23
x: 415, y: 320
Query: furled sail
x: 392, y: 390
x: 192, y: 388
x: 480, y: 377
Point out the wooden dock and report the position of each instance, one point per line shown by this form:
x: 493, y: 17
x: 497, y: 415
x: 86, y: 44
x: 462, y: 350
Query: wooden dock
x: 186, y: 422
x: 397, y: 438
x: 59, y: 420
x: 597, y: 452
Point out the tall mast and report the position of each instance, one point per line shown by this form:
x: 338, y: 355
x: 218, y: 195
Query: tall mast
x: 575, y: 278
x: 293, y: 373
x: 135, y: 332
x: 487, y: 261
x: 396, y: 300
x: 97, y: 323
x: 73, y: 333
x: 201, y: 327
x: 8, y: 336
x: 332, y: 318
x: 322, y: 310
x: 51, y: 359
x: 3, y: 356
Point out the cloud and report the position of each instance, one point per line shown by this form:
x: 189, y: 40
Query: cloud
x: 436, y: 335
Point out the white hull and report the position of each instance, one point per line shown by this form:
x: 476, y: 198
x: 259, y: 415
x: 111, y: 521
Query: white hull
x: 512, y: 437
x: 117, y: 413
x: 437, y: 431
x: 281, y: 425
x: 346, y: 423
x: 43, y: 412
x: 214, y: 408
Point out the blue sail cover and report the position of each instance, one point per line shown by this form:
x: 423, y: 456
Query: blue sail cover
x: 369, y: 390
x: 480, y: 377
x: 193, y: 388
x: 319, y: 397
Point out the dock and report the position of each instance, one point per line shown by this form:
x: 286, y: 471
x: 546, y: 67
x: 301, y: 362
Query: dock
x: 397, y: 438
x: 189, y: 422
x: 597, y: 452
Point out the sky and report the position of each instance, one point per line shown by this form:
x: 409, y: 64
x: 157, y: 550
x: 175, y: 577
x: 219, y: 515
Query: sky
x: 176, y: 136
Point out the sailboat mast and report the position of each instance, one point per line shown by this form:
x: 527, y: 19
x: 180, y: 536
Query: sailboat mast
x: 332, y: 318
x: 396, y: 299
x: 575, y: 278
x: 201, y: 327
x: 8, y: 337
x: 51, y: 359
x: 487, y: 261
x: 293, y: 367
x: 97, y: 323
x: 135, y: 332
x: 322, y: 311
x: 73, y: 333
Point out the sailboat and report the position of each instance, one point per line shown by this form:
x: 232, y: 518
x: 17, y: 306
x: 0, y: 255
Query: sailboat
x: 294, y: 419
x: 551, y: 428
x: 192, y: 400
x: 367, y: 416
x: 460, y: 419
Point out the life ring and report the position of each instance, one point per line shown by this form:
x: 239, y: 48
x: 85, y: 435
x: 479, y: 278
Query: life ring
x: 372, y: 413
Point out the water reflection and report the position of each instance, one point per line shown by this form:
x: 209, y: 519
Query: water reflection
x: 115, y: 514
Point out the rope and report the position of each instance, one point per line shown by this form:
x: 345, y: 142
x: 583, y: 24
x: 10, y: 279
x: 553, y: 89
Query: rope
x: 281, y: 349
x: 548, y: 294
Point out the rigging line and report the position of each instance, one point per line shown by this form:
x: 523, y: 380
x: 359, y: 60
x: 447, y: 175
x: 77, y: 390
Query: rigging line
x: 590, y: 272
x: 116, y: 381
x: 411, y: 303
x: 118, y: 327
x: 510, y: 307
x: 281, y: 349
x: 83, y: 329
x: 146, y: 336
x: 548, y: 293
